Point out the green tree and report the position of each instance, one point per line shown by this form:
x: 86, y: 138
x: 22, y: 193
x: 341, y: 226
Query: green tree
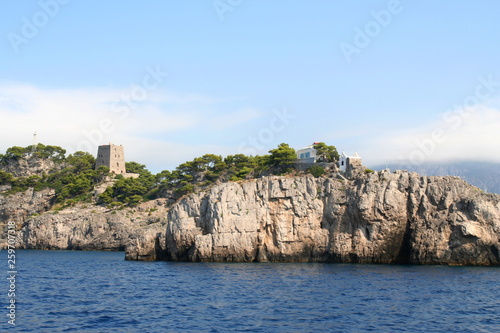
x: 326, y: 153
x: 80, y: 185
x: 146, y: 178
x: 55, y: 153
x: 239, y: 166
x: 214, y: 163
x: 167, y: 179
x: 134, y: 167
x: 133, y: 200
x: 163, y: 176
x: 5, y: 177
x: 128, y: 187
x: 81, y: 161
x: 284, y: 155
x: 240, y: 161
x: 100, y: 173
x: 190, y: 168
x: 107, y: 196
x: 184, y: 188
x: 262, y: 161
x: 15, y: 152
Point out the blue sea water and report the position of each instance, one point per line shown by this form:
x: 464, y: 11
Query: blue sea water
x: 62, y: 291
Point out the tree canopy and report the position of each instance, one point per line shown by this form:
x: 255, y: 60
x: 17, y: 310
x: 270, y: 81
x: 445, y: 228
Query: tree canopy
x: 284, y: 155
x: 77, y: 177
x: 41, y: 151
x: 326, y: 153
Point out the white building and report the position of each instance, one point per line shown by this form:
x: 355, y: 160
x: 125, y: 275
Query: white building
x: 307, y: 154
x: 345, y: 160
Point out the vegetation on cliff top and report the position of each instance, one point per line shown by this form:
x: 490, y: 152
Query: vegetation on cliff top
x: 77, y: 178
x: 55, y: 153
x: 75, y: 181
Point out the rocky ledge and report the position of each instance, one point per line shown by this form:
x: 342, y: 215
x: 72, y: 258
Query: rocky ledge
x: 88, y: 227
x: 381, y: 218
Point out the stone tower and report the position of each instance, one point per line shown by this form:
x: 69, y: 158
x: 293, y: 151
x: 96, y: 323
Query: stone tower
x: 113, y: 157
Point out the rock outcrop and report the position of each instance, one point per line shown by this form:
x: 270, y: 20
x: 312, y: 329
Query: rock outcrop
x: 97, y: 228
x: 19, y: 206
x: 31, y: 166
x: 382, y: 217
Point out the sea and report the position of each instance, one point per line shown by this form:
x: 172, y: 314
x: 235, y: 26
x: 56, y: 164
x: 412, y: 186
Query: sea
x: 70, y: 291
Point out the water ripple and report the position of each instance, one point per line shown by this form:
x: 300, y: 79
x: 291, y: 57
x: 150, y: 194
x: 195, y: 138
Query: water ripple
x: 100, y: 292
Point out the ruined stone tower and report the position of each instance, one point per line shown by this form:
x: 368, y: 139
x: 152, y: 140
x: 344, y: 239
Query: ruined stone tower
x: 113, y: 157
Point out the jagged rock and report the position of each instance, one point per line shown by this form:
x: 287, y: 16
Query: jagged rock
x: 95, y: 228
x: 31, y: 166
x: 18, y: 206
x: 147, y: 245
x: 381, y: 217
x: 271, y: 220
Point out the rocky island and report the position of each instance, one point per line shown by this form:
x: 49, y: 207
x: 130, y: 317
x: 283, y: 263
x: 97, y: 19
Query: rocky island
x: 379, y: 217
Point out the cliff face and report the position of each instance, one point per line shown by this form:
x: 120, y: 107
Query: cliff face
x: 97, y: 228
x: 19, y: 206
x: 381, y: 218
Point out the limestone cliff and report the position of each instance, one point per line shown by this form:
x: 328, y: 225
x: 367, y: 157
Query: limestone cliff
x: 383, y: 217
x: 96, y: 228
x: 21, y: 205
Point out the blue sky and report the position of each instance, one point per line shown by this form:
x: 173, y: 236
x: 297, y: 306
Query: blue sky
x: 172, y: 80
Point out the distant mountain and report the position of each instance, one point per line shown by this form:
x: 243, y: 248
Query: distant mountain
x: 485, y: 175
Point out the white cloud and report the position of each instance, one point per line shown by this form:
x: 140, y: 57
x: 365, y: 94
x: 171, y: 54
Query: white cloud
x: 465, y: 134
x: 82, y: 119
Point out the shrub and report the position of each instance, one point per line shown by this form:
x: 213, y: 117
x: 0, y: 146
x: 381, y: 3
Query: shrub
x: 184, y: 189
x: 5, y: 177
x: 316, y: 170
x: 133, y: 200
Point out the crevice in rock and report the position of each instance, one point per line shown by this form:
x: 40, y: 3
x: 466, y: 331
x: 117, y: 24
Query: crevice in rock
x: 404, y: 254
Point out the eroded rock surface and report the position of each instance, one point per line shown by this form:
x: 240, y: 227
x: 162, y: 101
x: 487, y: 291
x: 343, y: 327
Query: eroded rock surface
x: 383, y: 217
x: 97, y: 228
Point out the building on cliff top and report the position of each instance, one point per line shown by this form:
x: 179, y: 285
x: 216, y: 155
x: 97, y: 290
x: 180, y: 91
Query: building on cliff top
x: 113, y: 157
x: 307, y: 154
x: 348, y: 164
